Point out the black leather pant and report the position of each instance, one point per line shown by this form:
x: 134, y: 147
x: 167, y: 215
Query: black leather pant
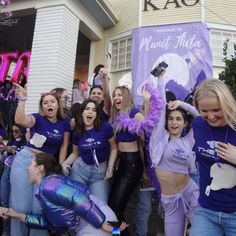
x: 126, y: 179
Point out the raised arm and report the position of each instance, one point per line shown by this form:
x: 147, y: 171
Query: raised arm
x: 21, y: 118
x: 106, y: 92
x: 159, y: 136
x: 160, y: 126
x: 172, y: 105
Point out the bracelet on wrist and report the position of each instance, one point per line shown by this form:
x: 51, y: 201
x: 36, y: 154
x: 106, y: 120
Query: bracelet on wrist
x: 115, y: 231
x: 23, y: 99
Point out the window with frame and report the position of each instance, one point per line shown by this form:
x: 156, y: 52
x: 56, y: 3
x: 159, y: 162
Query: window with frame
x: 218, y: 38
x: 121, y: 54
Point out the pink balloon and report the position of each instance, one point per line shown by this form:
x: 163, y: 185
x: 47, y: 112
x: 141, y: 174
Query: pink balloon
x: 22, y: 67
x: 84, y: 86
x: 5, y: 61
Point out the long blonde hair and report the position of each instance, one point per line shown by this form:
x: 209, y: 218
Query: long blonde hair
x: 216, y: 88
x: 128, y: 103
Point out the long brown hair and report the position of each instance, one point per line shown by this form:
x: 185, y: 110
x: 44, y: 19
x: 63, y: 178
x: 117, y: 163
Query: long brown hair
x: 128, y: 103
x: 80, y: 121
x: 60, y: 112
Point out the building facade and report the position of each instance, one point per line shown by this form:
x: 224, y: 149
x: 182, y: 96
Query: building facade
x: 70, y: 37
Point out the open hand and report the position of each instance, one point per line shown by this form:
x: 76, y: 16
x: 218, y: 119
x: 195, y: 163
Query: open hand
x: 3, y: 212
x: 66, y: 168
x: 109, y: 172
x: 226, y: 151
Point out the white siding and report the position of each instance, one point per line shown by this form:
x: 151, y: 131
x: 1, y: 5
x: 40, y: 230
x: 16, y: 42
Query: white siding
x: 53, y: 52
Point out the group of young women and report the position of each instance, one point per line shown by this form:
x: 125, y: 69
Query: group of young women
x: 102, y: 149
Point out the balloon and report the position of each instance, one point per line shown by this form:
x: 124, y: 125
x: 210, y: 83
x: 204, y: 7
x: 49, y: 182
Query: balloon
x: 22, y: 67
x: 5, y: 61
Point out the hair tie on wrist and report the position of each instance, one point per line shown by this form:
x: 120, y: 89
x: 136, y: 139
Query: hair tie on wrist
x: 22, y: 99
x: 115, y: 231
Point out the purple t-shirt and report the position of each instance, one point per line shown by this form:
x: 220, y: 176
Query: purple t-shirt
x: 18, y: 144
x: 221, y: 197
x: 3, y: 132
x: 103, y: 116
x: 125, y: 135
x: 94, y: 142
x: 47, y: 136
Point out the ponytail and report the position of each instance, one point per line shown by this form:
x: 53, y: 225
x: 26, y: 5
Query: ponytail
x: 51, y: 166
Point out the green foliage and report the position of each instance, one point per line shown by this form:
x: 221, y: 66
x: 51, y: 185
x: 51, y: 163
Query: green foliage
x: 229, y: 73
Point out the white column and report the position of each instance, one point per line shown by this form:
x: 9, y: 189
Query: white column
x: 53, y: 52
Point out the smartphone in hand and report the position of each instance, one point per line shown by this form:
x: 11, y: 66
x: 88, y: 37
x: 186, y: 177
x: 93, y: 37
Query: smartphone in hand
x: 159, y: 69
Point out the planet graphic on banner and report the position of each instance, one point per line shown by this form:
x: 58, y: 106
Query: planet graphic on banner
x: 177, y: 70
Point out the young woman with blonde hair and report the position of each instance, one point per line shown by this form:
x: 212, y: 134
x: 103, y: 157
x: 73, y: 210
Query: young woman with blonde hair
x: 215, y: 147
x: 129, y: 124
x: 49, y: 132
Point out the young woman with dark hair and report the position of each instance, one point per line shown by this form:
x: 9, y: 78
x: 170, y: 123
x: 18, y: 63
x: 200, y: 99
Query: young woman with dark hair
x: 94, y: 150
x: 66, y: 204
x: 170, y: 146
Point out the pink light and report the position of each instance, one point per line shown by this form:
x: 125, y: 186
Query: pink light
x: 5, y: 2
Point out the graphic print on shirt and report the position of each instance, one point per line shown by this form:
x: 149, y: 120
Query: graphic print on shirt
x: 210, y: 151
x: 55, y: 135
x: 92, y: 145
x: 38, y: 140
x: 223, y: 176
x: 179, y: 153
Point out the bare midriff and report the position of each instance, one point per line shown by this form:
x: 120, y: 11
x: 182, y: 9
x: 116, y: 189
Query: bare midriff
x: 128, y: 146
x: 171, y: 183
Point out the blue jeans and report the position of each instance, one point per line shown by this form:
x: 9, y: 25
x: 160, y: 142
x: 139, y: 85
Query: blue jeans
x: 22, y: 194
x: 195, y: 176
x: 213, y: 223
x: 5, y: 194
x: 89, y: 175
x: 142, y: 212
x: 5, y: 186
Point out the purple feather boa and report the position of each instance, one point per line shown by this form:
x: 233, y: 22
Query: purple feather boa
x: 135, y: 126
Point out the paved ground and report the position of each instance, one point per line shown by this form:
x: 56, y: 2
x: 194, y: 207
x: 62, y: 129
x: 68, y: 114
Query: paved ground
x: 156, y: 226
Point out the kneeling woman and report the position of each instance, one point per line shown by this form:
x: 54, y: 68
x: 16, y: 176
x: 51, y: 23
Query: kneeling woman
x: 66, y: 204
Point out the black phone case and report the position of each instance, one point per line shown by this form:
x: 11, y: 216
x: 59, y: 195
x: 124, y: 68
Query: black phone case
x: 156, y: 71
